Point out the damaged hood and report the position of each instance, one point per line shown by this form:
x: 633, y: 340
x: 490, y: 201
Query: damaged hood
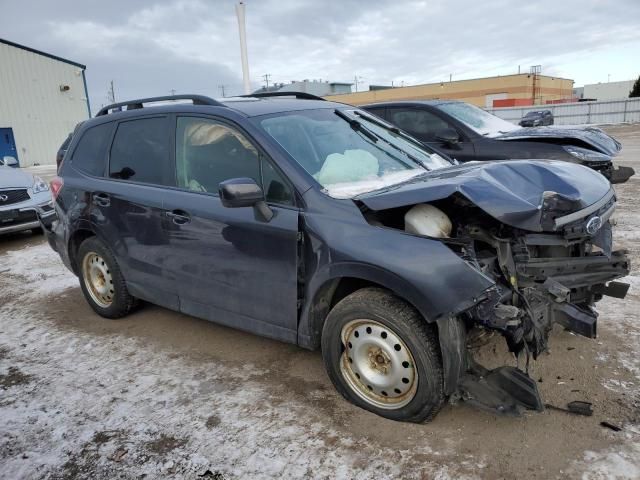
x: 512, y: 192
x: 591, y: 137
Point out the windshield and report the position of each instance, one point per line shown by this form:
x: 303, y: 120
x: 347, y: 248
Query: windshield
x: 349, y: 152
x: 533, y: 114
x: 477, y: 119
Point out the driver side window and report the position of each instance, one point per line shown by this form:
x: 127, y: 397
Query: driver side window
x: 209, y: 152
x: 421, y: 124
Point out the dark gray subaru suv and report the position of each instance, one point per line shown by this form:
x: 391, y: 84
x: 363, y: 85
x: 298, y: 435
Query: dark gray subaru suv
x: 319, y: 224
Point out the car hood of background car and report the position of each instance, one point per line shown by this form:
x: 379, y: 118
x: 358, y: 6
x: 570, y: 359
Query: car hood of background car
x: 511, y: 191
x: 582, y: 136
x: 15, y: 178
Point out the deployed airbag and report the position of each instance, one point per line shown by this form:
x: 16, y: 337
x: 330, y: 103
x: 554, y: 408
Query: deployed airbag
x: 350, y: 166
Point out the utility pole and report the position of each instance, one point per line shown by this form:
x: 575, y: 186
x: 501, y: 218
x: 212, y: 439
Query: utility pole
x: 173, y: 92
x: 243, y: 47
x: 450, y: 76
x: 266, y: 80
x: 222, y: 87
x: 111, y: 94
x: 356, y: 81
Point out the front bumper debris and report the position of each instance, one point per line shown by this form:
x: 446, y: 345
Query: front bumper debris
x: 621, y: 174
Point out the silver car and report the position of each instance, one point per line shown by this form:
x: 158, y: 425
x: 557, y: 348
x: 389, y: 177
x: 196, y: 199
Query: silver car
x: 23, y: 198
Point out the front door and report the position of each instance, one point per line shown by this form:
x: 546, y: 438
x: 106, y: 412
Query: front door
x: 426, y: 126
x: 8, y: 145
x: 230, y: 264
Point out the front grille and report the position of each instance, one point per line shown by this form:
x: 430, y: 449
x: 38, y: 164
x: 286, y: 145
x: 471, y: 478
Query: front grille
x: 16, y: 217
x: 8, y: 197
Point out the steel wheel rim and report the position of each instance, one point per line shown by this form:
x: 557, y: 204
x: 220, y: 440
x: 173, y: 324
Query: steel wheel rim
x: 98, y: 280
x: 377, y: 364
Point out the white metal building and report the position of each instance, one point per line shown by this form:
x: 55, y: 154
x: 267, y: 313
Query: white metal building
x: 42, y: 98
x: 608, y: 90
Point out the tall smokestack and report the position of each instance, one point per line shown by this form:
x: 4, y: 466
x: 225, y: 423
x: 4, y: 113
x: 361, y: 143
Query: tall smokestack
x: 243, y: 47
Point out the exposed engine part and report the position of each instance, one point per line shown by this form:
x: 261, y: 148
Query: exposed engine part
x: 427, y: 220
x: 553, y: 275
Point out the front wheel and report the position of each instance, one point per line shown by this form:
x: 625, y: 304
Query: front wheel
x: 381, y: 355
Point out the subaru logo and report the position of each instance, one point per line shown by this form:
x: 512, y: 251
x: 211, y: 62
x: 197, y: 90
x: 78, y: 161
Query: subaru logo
x: 4, y: 198
x: 593, y: 225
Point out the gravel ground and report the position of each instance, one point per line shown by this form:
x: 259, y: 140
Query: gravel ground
x: 163, y: 395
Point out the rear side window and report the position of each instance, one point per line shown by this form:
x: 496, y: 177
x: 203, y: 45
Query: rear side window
x: 141, y: 152
x: 421, y: 124
x: 91, y: 152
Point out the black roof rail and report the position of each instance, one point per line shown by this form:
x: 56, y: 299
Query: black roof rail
x: 300, y: 95
x: 135, y: 104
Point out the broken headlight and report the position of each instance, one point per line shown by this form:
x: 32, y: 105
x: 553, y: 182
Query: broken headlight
x: 586, y: 155
x: 555, y: 205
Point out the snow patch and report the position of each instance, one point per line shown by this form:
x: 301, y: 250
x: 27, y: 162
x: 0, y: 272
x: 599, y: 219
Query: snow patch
x: 37, y: 271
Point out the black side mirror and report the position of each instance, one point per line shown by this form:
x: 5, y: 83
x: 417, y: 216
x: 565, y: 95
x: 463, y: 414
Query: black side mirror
x: 448, y: 135
x: 244, y: 192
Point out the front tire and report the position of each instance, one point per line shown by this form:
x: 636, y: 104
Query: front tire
x: 101, y: 280
x: 383, y: 356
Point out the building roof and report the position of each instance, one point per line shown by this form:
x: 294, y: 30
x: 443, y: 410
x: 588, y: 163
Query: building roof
x: 44, y: 54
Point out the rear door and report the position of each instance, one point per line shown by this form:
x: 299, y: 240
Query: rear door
x: 230, y: 264
x: 127, y: 205
x: 426, y: 126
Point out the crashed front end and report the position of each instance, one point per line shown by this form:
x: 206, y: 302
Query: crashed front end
x: 549, y: 256
x: 541, y: 278
x: 551, y: 277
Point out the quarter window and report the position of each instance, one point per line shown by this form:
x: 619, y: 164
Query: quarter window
x: 140, y: 152
x: 90, y: 154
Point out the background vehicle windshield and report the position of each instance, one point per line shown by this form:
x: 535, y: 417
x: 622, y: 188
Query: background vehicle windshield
x: 533, y: 114
x: 482, y: 122
x: 349, y: 158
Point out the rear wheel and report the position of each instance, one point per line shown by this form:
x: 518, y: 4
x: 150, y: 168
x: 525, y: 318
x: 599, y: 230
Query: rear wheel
x: 101, y: 280
x: 381, y: 355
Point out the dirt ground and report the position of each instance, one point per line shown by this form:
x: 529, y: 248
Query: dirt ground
x: 163, y: 395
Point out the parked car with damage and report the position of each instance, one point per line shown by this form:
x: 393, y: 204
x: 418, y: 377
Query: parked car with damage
x: 537, y: 118
x: 23, y: 199
x: 466, y: 132
x: 319, y: 224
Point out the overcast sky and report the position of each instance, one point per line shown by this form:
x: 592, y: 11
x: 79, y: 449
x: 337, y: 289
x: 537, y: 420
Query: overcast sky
x: 153, y: 47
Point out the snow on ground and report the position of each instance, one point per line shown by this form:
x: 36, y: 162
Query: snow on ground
x: 83, y: 404
x: 32, y: 267
x: 622, y: 461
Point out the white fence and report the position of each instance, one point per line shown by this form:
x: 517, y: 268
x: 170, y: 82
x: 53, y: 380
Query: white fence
x: 609, y: 111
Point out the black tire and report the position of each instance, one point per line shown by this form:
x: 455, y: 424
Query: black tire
x: 122, y: 302
x: 410, y: 327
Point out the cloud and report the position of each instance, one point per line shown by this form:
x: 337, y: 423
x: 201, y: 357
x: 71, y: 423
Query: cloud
x: 151, y: 47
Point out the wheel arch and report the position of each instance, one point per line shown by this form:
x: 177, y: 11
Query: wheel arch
x: 450, y: 330
x: 343, y: 280
x: 78, y: 236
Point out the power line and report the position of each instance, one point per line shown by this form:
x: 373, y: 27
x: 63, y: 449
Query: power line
x: 266, y: 77
x: 356, y: 80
